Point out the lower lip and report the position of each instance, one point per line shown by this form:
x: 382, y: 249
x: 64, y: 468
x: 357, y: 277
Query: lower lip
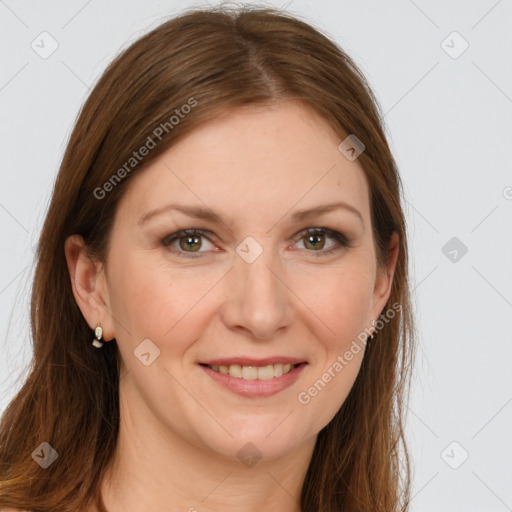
x: 254, y: 387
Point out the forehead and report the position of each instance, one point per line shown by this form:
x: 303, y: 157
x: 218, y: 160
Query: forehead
x: 260, y: 159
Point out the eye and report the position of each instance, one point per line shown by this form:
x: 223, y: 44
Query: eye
x: 314, y: 239
x: 190, y: 241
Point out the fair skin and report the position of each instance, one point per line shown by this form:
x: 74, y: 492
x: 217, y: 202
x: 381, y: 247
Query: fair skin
x: 180, y: 431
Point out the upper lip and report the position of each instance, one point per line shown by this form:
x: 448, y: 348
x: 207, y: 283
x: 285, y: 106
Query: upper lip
x: 251, y: 361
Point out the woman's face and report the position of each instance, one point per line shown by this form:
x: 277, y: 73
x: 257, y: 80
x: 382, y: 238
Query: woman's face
x: 252, y: 283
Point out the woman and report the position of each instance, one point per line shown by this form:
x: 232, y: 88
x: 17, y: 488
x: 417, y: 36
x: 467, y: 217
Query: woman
x: 220, y: 310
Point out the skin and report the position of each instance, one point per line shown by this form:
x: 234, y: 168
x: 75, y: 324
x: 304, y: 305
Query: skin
x: 180, y: 431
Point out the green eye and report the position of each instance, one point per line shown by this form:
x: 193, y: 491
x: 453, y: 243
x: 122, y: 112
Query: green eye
x: 190, y: 241
x: 314, y: 239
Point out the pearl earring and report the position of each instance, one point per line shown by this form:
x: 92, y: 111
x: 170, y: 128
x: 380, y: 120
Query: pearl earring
x: 98, y: 333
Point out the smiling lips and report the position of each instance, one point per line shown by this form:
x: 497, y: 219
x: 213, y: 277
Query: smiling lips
x: 254, y: 369
x: 255, y: 378
x: 253, y: 372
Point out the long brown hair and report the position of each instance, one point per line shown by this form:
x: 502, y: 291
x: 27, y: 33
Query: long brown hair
x: 213, y: 60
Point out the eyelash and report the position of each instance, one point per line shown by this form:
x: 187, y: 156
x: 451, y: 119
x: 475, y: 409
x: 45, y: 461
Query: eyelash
x: 339, y: 237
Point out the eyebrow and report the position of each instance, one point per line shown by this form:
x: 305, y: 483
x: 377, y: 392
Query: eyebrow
x: 207, y: 214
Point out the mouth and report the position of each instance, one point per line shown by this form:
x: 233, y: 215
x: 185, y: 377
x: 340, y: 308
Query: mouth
x: 250, y: 372
x: 255, y: 378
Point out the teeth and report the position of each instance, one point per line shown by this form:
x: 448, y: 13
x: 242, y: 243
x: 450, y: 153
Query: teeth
x: 254, y: 372
x: 249, y: 372
x: 235, y: 370
x: 266, y: 372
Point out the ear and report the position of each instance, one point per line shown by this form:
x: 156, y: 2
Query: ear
x: 89, y: 286
x: 384, y: 278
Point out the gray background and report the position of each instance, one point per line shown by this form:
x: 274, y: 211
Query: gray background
x: 449, y: 123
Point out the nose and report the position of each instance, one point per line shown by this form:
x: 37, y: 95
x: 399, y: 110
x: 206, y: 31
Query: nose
x: 258, y: 300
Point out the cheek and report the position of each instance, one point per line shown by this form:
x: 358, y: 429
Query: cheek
x: 152, y: 299
x: 340, y: 298
x: 342, y: 302
x: 138, y: 293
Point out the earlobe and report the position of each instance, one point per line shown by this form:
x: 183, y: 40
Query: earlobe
x: 87, y: 282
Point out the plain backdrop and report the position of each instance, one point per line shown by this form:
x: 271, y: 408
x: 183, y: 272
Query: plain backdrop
x: 442, y: 72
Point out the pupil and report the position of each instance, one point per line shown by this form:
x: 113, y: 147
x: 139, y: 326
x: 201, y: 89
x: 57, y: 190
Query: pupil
x: 190, y: 241
x: 312, y: 238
